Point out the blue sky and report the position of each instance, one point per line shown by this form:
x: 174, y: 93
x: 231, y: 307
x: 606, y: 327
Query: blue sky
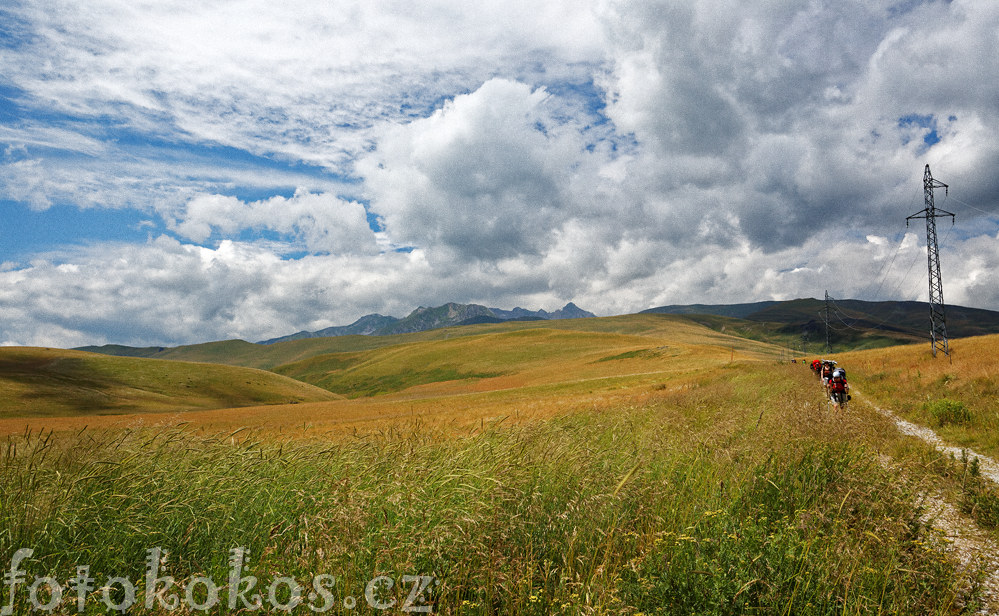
x: 175, y: 172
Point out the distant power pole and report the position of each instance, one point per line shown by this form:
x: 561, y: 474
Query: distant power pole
x: 938, y: 321
x: 825, y: 315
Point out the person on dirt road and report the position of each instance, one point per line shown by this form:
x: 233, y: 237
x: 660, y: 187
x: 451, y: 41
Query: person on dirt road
x: 816, y: 366
x: 839, y: 389
x: 827, y: 370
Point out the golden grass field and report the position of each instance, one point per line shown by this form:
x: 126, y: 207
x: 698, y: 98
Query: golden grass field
x: 530, y: 371
x: 630, y: 465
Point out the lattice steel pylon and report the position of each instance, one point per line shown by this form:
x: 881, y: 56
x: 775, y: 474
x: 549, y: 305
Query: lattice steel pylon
x: 938, y: 320
x: 825, y: 317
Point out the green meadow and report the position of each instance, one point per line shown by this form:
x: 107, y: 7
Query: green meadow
x: 674, y: 470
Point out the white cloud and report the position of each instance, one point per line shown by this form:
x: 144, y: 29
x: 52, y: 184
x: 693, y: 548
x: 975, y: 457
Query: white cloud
x: 488, y: 176
x: 284, y: 78
x: 318, y: 222
x: 123, y: 178
x: 621, y: 154
x: 165, y: 292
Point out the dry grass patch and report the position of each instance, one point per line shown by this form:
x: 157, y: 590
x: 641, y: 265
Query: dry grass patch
x: 958, y: 396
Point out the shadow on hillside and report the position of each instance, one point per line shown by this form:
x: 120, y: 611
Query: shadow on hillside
x: 56, y: 387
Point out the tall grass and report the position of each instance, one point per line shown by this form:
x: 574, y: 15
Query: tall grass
x: 955, y: 395
x: 739, y: 495
x: 911, y: 382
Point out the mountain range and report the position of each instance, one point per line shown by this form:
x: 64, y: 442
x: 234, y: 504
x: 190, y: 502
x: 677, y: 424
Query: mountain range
x: 852, y: 324
x: 424, y: 318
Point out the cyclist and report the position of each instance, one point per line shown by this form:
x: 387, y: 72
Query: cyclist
x: 839, y: 389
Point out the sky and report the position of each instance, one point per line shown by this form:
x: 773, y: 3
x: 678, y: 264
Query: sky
x: 178, y: 171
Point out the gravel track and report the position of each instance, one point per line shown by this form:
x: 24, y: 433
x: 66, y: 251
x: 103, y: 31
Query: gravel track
x: 973, y: 546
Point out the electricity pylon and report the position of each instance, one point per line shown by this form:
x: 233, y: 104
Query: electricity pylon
x: 938, y: 321
x: 826, y: 319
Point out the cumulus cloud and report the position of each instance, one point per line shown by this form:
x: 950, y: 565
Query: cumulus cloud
x: 318, y: 222
x: 487, y: 176
x: 167, y: 292
x: 620, y: 154
x: 782, y: 110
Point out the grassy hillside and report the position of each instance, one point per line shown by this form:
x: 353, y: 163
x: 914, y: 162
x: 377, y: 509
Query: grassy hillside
x: 784, y: 324
x: 856, y: 325
x: 51, y: 382
x: 119, y: 350
x: 265, y: 357
x: 242, y: 353
x: 248, y: 354
x: 853, y: 324
x: 735, y: 311
x: 956, y: 395
x: 537, y: 352
x: 514, y: 356
x: 526, y: 369
x: 915, y: 317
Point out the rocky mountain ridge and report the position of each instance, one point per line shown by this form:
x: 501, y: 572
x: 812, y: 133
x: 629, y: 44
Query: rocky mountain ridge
x: 425, y: 318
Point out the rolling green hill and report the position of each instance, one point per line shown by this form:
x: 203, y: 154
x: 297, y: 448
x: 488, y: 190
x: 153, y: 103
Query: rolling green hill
x: 853, y: 324
x: 582, y: 354
x: 266, y: 357
x: 521, y: 353
x: 273, y: 356
x: 735, y: 311
x: 53, y: 382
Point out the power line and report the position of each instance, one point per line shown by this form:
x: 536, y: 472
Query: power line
x: 938, y: 324
x: 898, y: 287
x: 826, y: 318
x: 887, y: 271
x: 877, y: 323
x: 884, y: 272
x: 840, y: 315
x: 964, y: 203
x: 848, y: 326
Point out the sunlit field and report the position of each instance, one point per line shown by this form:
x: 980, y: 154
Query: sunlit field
x: 956, y: 395
x: 640, y: 466
x: 461, y: 378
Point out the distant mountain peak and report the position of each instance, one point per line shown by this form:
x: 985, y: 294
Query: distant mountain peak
x: 571, y: 311
x: 429, y: 317
x: 365, y: 326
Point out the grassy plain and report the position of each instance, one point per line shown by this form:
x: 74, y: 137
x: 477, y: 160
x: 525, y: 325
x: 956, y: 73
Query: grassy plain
x: 740, y: 493
x: 637, y: 465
